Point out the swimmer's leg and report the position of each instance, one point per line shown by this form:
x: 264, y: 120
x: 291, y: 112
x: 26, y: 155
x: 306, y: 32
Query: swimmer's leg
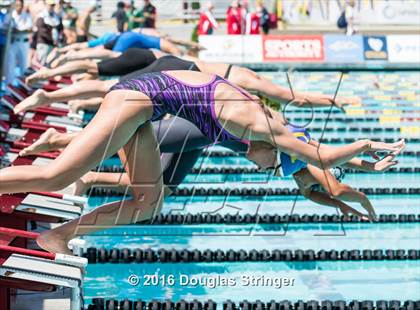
x: 341, y: 191
x: 175, y: 168
x: 91, y: 104
x: 79, y: 90
x: 169, y: 47
x: 50, y: 140
x: 140, y: 157
x: 304, y: 177
x: 111, y: 128
x: 81, y: 66
x: 84, y: 54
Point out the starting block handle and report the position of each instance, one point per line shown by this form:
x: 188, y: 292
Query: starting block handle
x: 23, y: 251
x: 18, y: 233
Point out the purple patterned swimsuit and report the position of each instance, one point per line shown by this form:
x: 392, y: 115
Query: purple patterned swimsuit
x: 194, y: 103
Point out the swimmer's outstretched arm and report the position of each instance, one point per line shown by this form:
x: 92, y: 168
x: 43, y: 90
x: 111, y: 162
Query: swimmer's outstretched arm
x: 362, y: 165
x: 271, y: 130
x: 80, y: 90
x: 250, y: 80
x: 380, y: 166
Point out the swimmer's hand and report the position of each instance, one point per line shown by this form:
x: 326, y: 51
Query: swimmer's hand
x: 343, y: 101
x: 392, y: 148
x: 347, y: 211
x: 371, y: 212
x: 385, y: 163
x: 337, y: 104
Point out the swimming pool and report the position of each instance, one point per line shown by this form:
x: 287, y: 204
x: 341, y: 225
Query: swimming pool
x: 390, y: 110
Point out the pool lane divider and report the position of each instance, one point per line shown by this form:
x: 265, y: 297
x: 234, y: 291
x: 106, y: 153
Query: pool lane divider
x: 257, y: 192
x: 251, y: 169
x: 236, y: 219
x: 229, y: 153
x: 127, y: 256
x: 126, y: 304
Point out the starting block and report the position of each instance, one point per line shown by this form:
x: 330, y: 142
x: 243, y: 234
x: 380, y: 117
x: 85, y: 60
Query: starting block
x: 34, y: 270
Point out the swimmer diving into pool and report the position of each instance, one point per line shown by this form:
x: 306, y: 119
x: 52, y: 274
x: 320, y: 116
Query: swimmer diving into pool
x: 182, y: 144
x: 242, y: 77
x: 120, y: 42
x: 219, y: 109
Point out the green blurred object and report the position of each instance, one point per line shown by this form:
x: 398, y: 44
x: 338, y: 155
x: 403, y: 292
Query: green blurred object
x: 195, y: 5
x: 194, y: 34
x: 131, y: 14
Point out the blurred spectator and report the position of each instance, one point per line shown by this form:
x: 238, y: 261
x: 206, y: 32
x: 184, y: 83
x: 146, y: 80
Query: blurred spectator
x: 234, y: 18
x: 207, y: 23
x: 49, y: 31
x: 252, y: 23
x: 244, y: 7
x: 69, y: 18
x: 121, y: 17
x: 36, y: 7
x: 250, y: 19
x: 264, y: 17
x: 149, y: 14
x: 17, y: 55
x: 346, y: 19
x: 135, y: 17
x: 4, y: 28
x: 83, y: 22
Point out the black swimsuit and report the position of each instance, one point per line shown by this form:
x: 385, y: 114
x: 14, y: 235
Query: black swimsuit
x: 129, y: 61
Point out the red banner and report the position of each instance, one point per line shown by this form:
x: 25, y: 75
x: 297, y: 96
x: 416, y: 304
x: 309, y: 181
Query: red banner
x: 293, y: 48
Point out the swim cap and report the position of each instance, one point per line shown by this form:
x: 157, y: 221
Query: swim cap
x: 338, y: 173
x: 290, y: 164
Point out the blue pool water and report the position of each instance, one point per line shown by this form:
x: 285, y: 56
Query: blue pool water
x: 395, y: 104
x: 386, y: 280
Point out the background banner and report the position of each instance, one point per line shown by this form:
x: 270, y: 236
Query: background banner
x: 231, y: 48
x: 345, y: 49
x: 404, y: 48
x: 375, y: 48
x: 286, y: 48
x: 310, y: 48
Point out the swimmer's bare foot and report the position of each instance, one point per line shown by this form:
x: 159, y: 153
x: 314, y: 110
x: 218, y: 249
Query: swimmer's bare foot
x: 347, y: 211
x: 82, y: 185
x: 37, y: 99
x: 53, y: 242
x: 52, y: 55
x: 82, y: 77
x: 36, y: 77
x: 58, y: 61
x: 45, y: 143
x: 75, y: 105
